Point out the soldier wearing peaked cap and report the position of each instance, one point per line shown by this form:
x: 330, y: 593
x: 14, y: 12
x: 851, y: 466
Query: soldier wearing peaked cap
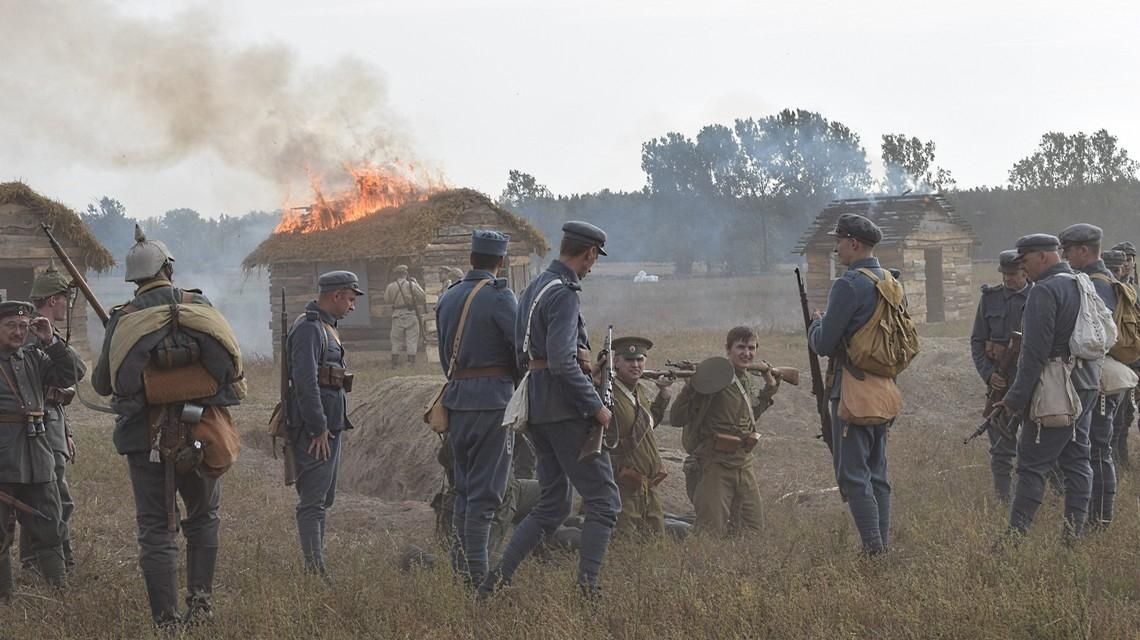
x: 26, y: 460
x: 150, y: 266
x: 551, y: 340
x: 476, y: 320
x: 1080, y: 245
x: 1049, y: 317
x: 998, y: 316
x: 636, y: 462
x: 319, y: 381
x: 859, y: 452
x: 405, y: 295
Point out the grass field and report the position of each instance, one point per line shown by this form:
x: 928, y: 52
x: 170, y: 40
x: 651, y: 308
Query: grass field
x: 799, y: 578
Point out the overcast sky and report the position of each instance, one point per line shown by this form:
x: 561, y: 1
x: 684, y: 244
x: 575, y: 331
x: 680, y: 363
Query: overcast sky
x: 568, y: 91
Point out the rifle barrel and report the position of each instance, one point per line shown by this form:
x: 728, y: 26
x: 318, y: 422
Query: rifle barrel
x: 76, y: 276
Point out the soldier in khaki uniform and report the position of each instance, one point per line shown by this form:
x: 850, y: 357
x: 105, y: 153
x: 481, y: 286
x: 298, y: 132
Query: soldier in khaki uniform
x: 636, y: 462
x: 720, y: 430
x: 405, y: 295
x: 1120, y: 260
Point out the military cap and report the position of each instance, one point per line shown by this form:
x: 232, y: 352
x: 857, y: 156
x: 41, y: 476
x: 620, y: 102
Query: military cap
x: 1036, y: 242
x: 1009, y: 261
x: 1113, y: 259
x: 853, y: 225
x: 15, y: 308
x: 338, y: 280
x: 49, y: 283
x: 586, y: 233
x: 1080, y: 233
x: 631, y: 347
x: 489, y: 242
x: 1126, y: 247
x: 401, y: 268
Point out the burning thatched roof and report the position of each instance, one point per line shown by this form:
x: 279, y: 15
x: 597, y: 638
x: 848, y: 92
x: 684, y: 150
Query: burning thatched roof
x: 388, y: 233
x: 66, y: 225
x: 897, y: 216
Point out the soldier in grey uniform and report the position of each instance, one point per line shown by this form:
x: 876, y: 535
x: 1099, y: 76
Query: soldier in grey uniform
x: 1120, y: 263
x: 405, y: 295
x: 150, y: 266
x: 564, y: 405
x: 1128, y: 269
x: 482, y: 380
x: 26, y: 461
x: 998, y: 316
x: 1048, y: 321
x: 51, y: 295
x: 318, y: 407
x: 860, y: 452
x: 1080, y: 246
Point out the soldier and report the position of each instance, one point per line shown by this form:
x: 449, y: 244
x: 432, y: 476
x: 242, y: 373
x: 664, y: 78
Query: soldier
x: 1119, y: 263
x: 998, y: 316
x: 26, y: 460
x: 51, y: 295
x: 636, y: 462
x: 859, y: 452
x: 1128, y: 269
x: 150, y: 266
x: 405, y: 295
x: 482, y: 374
x: 319, y: 380
x: 1049, y: 318
x: 563, y: 406
x: 1080, y: 245
x: 720, y: 431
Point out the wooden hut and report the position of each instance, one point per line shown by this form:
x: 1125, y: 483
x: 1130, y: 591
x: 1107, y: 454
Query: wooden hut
x: 25, y: 251
x: 923, y: 236
x: 425, y: 235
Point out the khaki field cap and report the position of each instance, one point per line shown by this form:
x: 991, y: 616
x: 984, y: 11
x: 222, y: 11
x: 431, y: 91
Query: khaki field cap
x: 146, y: 258
x: 49, y: 282
x: 631, y: 347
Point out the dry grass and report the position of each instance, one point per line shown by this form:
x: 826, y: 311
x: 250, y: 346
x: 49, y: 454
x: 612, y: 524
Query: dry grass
x: 800, y: 577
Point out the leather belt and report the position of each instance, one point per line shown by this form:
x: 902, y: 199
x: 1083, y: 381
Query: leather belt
x: 20, y: 418
x: 481, y: 372
x: 537, y: 364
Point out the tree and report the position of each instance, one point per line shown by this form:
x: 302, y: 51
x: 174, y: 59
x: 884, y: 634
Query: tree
x: 1063, y: 160
x: 909, y: 166
x: 522, y: 187
x: 107, y: 219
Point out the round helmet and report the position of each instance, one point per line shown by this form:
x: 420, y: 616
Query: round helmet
x: 146, y: 258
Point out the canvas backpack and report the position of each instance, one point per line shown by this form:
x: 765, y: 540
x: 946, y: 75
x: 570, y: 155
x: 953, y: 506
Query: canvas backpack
x: 888, y: 342
x: 1095, y: 332
x: 1127, y: 319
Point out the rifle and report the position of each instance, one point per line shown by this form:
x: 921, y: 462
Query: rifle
x: 283, y: 428
x: 76, y: 276
x: 598, y: 437
x: 822, y: 402
x: 994, y: 395
x: 11, y: 501
x: 686, y: 368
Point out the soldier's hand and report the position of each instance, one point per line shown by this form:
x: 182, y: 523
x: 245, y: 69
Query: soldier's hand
x: 664, y: 382
x: 998, y: 381
x: 70, y: 450
x: 42, y: 328
x: 817, y: 315
x: 319, y: 447
x: 603, y: 416
x: 999, y: 412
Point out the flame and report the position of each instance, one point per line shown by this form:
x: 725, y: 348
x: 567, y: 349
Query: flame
x: 374, y: 187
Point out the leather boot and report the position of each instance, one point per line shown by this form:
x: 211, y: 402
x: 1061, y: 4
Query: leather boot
x: 395, y: 360
x: 200, y: 562
x: 162, y: 592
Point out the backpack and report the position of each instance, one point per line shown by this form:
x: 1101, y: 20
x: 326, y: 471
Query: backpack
x: 1127, y: 319
x: 1095, y: 332
x: 888, y: 342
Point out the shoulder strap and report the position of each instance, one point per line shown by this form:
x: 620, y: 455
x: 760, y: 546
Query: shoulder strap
x: 530, y: 314
x: 871, y: 274
x: 462, y: 324
x: 1101, y: 277
x: 324, y: 336
x: 747, y: 400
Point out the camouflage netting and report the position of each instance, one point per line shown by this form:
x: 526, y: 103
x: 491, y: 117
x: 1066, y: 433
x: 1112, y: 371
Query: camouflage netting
x: 395, y: 232
x: 66, y: 225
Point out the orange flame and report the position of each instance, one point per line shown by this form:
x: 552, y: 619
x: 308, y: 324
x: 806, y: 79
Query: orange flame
x: 374, y: 187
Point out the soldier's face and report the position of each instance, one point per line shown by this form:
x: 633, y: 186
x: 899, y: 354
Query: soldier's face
x: 629, y: 370
x: 13, y: 332
x: 1080, y: 255
x: 742, y: 352
x: 345, y: 303
x: 56, y: 307
x: 1015, y: 280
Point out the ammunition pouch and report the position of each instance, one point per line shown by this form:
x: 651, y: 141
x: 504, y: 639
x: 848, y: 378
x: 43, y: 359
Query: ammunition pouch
x: 175, y: 350
x: 631, y: 479
x: 335, y: 378
x: 726, y: 442
x: 56, y: 395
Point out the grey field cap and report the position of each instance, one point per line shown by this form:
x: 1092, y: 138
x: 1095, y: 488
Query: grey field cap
x: 1126, y: 247
x: 1080, y: 233
x: 1036, y: 242
x: 1008, y: 261
x: 853, y: 225
x: 337, y: 280
x: 489, y: 242
x: 586, y: 233
x: 1113, y: 258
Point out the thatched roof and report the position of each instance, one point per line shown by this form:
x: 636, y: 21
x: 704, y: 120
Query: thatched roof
x: 66, y: 225
x: 897, y: 216
x: 394, y: 232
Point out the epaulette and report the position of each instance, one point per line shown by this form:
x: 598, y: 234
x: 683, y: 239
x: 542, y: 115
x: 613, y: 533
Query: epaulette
x: 500, y: 283
x: 987, y: 288
x: 573, y: 286
x: 197, y: 291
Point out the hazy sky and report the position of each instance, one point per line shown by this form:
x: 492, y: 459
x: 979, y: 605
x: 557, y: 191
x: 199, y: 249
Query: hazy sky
x: 568, y: 91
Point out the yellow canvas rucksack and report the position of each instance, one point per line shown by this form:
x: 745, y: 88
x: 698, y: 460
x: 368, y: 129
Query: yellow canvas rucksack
x: 1127, y: 319
x: 889, y: 341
